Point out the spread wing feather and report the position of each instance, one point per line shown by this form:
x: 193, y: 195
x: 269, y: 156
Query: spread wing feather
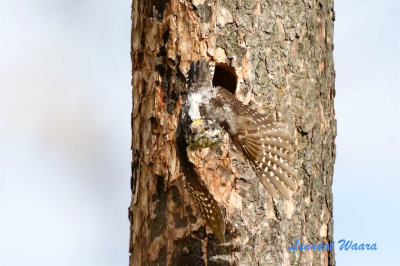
x: 266, y: 144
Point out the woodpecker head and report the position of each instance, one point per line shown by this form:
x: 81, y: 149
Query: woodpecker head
x: 204, y: 133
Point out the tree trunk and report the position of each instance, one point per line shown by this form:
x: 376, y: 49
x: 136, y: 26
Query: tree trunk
x: 279, y: 54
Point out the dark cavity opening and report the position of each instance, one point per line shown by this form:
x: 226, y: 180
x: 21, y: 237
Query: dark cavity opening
x: 225, y: 77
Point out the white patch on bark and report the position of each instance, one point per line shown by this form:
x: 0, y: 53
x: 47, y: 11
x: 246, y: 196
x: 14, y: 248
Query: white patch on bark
x: 323, y: 232
x: 223, y: 17
x: 289, y: 208
x: 220, y: 55
x: 196, y: 3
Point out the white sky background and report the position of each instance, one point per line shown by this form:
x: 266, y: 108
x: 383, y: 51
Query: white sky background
x: 65, y: 103
x: 366, y: 181
x: 65, y: 74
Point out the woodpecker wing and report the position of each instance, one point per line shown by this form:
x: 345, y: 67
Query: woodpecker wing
x: 208, y: 205
x: 266, y: 143
x: 196, y: 187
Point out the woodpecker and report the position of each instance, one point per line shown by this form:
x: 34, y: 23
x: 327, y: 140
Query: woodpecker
x: 206, y: 112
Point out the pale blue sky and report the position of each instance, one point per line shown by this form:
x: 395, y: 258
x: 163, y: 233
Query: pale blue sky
x: 366, y: 184
x: 65, y: 103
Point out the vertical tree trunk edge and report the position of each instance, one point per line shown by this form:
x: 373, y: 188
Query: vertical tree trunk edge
x: 281, y: 53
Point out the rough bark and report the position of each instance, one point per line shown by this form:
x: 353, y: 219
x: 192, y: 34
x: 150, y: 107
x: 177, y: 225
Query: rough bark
x: 281, y: 55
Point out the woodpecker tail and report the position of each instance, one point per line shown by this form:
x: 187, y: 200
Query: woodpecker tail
x: 201, y: 73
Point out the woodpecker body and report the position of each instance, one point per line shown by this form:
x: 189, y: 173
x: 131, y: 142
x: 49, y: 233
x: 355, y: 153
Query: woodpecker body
x: 264, y: 142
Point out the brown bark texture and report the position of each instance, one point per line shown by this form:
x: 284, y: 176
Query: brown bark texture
x: 281, y: 55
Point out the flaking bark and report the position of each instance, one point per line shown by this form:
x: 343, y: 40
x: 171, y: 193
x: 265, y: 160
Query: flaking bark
x: 281, y: 55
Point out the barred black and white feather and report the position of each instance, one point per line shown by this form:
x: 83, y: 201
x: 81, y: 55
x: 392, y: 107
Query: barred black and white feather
x: 196, y: 187
x: 265, y: 142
